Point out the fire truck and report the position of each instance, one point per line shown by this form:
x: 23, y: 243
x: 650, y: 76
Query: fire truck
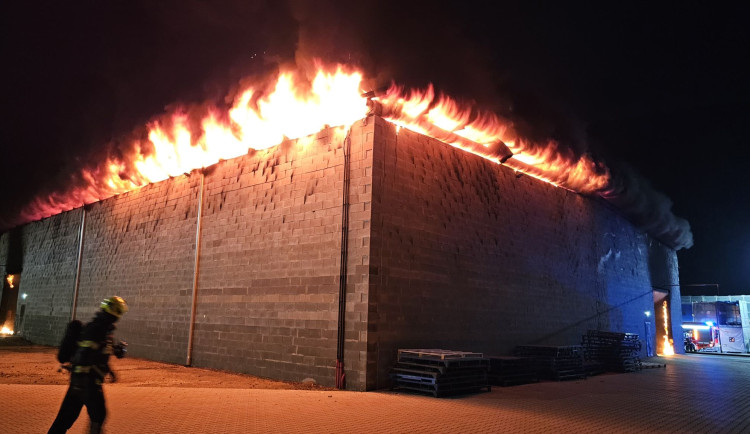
x: 701, y: 336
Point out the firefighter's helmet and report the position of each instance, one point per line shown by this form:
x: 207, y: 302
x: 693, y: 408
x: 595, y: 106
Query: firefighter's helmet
x: 115, y: 306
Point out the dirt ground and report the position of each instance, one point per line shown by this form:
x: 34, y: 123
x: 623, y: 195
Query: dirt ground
x: 24, y: 363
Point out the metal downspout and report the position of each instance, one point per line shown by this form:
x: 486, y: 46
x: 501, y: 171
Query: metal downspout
x: 196, y: 267
x: 340, y: 374
x: 80, y: 261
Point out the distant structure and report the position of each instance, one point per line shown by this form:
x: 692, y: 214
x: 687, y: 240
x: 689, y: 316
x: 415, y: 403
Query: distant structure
x: 719, y: 323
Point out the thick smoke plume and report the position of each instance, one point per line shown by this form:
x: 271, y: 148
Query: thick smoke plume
x: 647, y: 208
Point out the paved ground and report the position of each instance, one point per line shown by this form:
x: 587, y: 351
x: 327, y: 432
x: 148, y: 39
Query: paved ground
x: 693, y: 394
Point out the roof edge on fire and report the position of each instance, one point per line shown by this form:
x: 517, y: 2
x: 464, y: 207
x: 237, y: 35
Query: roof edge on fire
x: 628, y: 193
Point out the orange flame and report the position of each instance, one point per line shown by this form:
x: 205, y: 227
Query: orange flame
x: 260, y: 118
x: 546, y: 161
x: 668, y: 347
x: 293, y: 107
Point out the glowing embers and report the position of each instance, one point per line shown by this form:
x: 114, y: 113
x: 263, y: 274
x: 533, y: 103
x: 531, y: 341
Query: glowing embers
x: 668, y: 349
x: 10, y: 278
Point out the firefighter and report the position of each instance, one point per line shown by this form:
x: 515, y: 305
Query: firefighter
x: 90, y: 367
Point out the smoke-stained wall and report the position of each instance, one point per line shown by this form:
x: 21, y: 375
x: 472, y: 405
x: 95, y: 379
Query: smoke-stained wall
x: 445, y: 250
x: 467, y: 255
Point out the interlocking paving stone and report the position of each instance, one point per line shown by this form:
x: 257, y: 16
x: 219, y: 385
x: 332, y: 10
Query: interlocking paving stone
x: 692, y: 394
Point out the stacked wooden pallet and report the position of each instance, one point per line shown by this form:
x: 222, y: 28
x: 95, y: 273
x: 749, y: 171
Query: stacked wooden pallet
x: 614, y: 351
x: 554, y: 363
x: 440, y: 372
x: 508, y: 370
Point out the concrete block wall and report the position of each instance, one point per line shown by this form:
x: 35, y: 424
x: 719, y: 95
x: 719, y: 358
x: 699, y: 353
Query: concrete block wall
x: 270, y: 260
x: 664, y: 274
x: 4, y: 241
x: 466, y: 255
x: 140, y: 246
x: 10, y: 264
x: 269, y: 265
x: 445, y: 250
x: 50, y: 253
x: 4, y: 246
x: 5, y: 305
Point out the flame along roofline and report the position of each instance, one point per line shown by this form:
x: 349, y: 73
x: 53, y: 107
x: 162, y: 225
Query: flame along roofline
x: 499, y: 154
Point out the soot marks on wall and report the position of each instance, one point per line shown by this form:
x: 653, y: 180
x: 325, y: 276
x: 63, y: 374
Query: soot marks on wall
x: 310, y: 189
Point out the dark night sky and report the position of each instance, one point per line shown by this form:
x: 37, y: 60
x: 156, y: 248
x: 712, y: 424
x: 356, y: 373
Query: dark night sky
x: 663, y: 89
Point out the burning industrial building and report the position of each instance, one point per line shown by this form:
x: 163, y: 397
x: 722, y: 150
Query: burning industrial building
x: 318, y: 225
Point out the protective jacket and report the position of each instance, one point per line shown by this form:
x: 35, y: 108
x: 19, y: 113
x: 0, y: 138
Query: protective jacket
x: 95, y: 346
x: 90, y: 366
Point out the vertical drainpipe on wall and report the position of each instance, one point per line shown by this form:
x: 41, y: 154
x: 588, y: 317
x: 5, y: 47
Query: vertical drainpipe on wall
x: 78, y: 265
x: 340, y: 375
x: 196, y: 267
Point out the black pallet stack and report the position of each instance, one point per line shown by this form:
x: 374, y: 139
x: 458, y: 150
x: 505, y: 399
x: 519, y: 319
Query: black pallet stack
x: 554, y: 363
x: 508, y: 370
x: 440, y: 372
x: 613, y: 351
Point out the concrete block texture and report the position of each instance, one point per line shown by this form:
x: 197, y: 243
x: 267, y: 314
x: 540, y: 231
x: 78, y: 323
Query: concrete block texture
x: 468, y: 255
x: 49, y: 249
x: 140, y: 246
x: 270, y: 260
x: 443, y: 250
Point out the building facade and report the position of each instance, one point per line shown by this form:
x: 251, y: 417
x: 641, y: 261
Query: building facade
x: 239, y: 266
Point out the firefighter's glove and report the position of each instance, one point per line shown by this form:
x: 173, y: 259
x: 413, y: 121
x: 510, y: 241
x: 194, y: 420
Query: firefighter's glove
x: 120, y: 349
